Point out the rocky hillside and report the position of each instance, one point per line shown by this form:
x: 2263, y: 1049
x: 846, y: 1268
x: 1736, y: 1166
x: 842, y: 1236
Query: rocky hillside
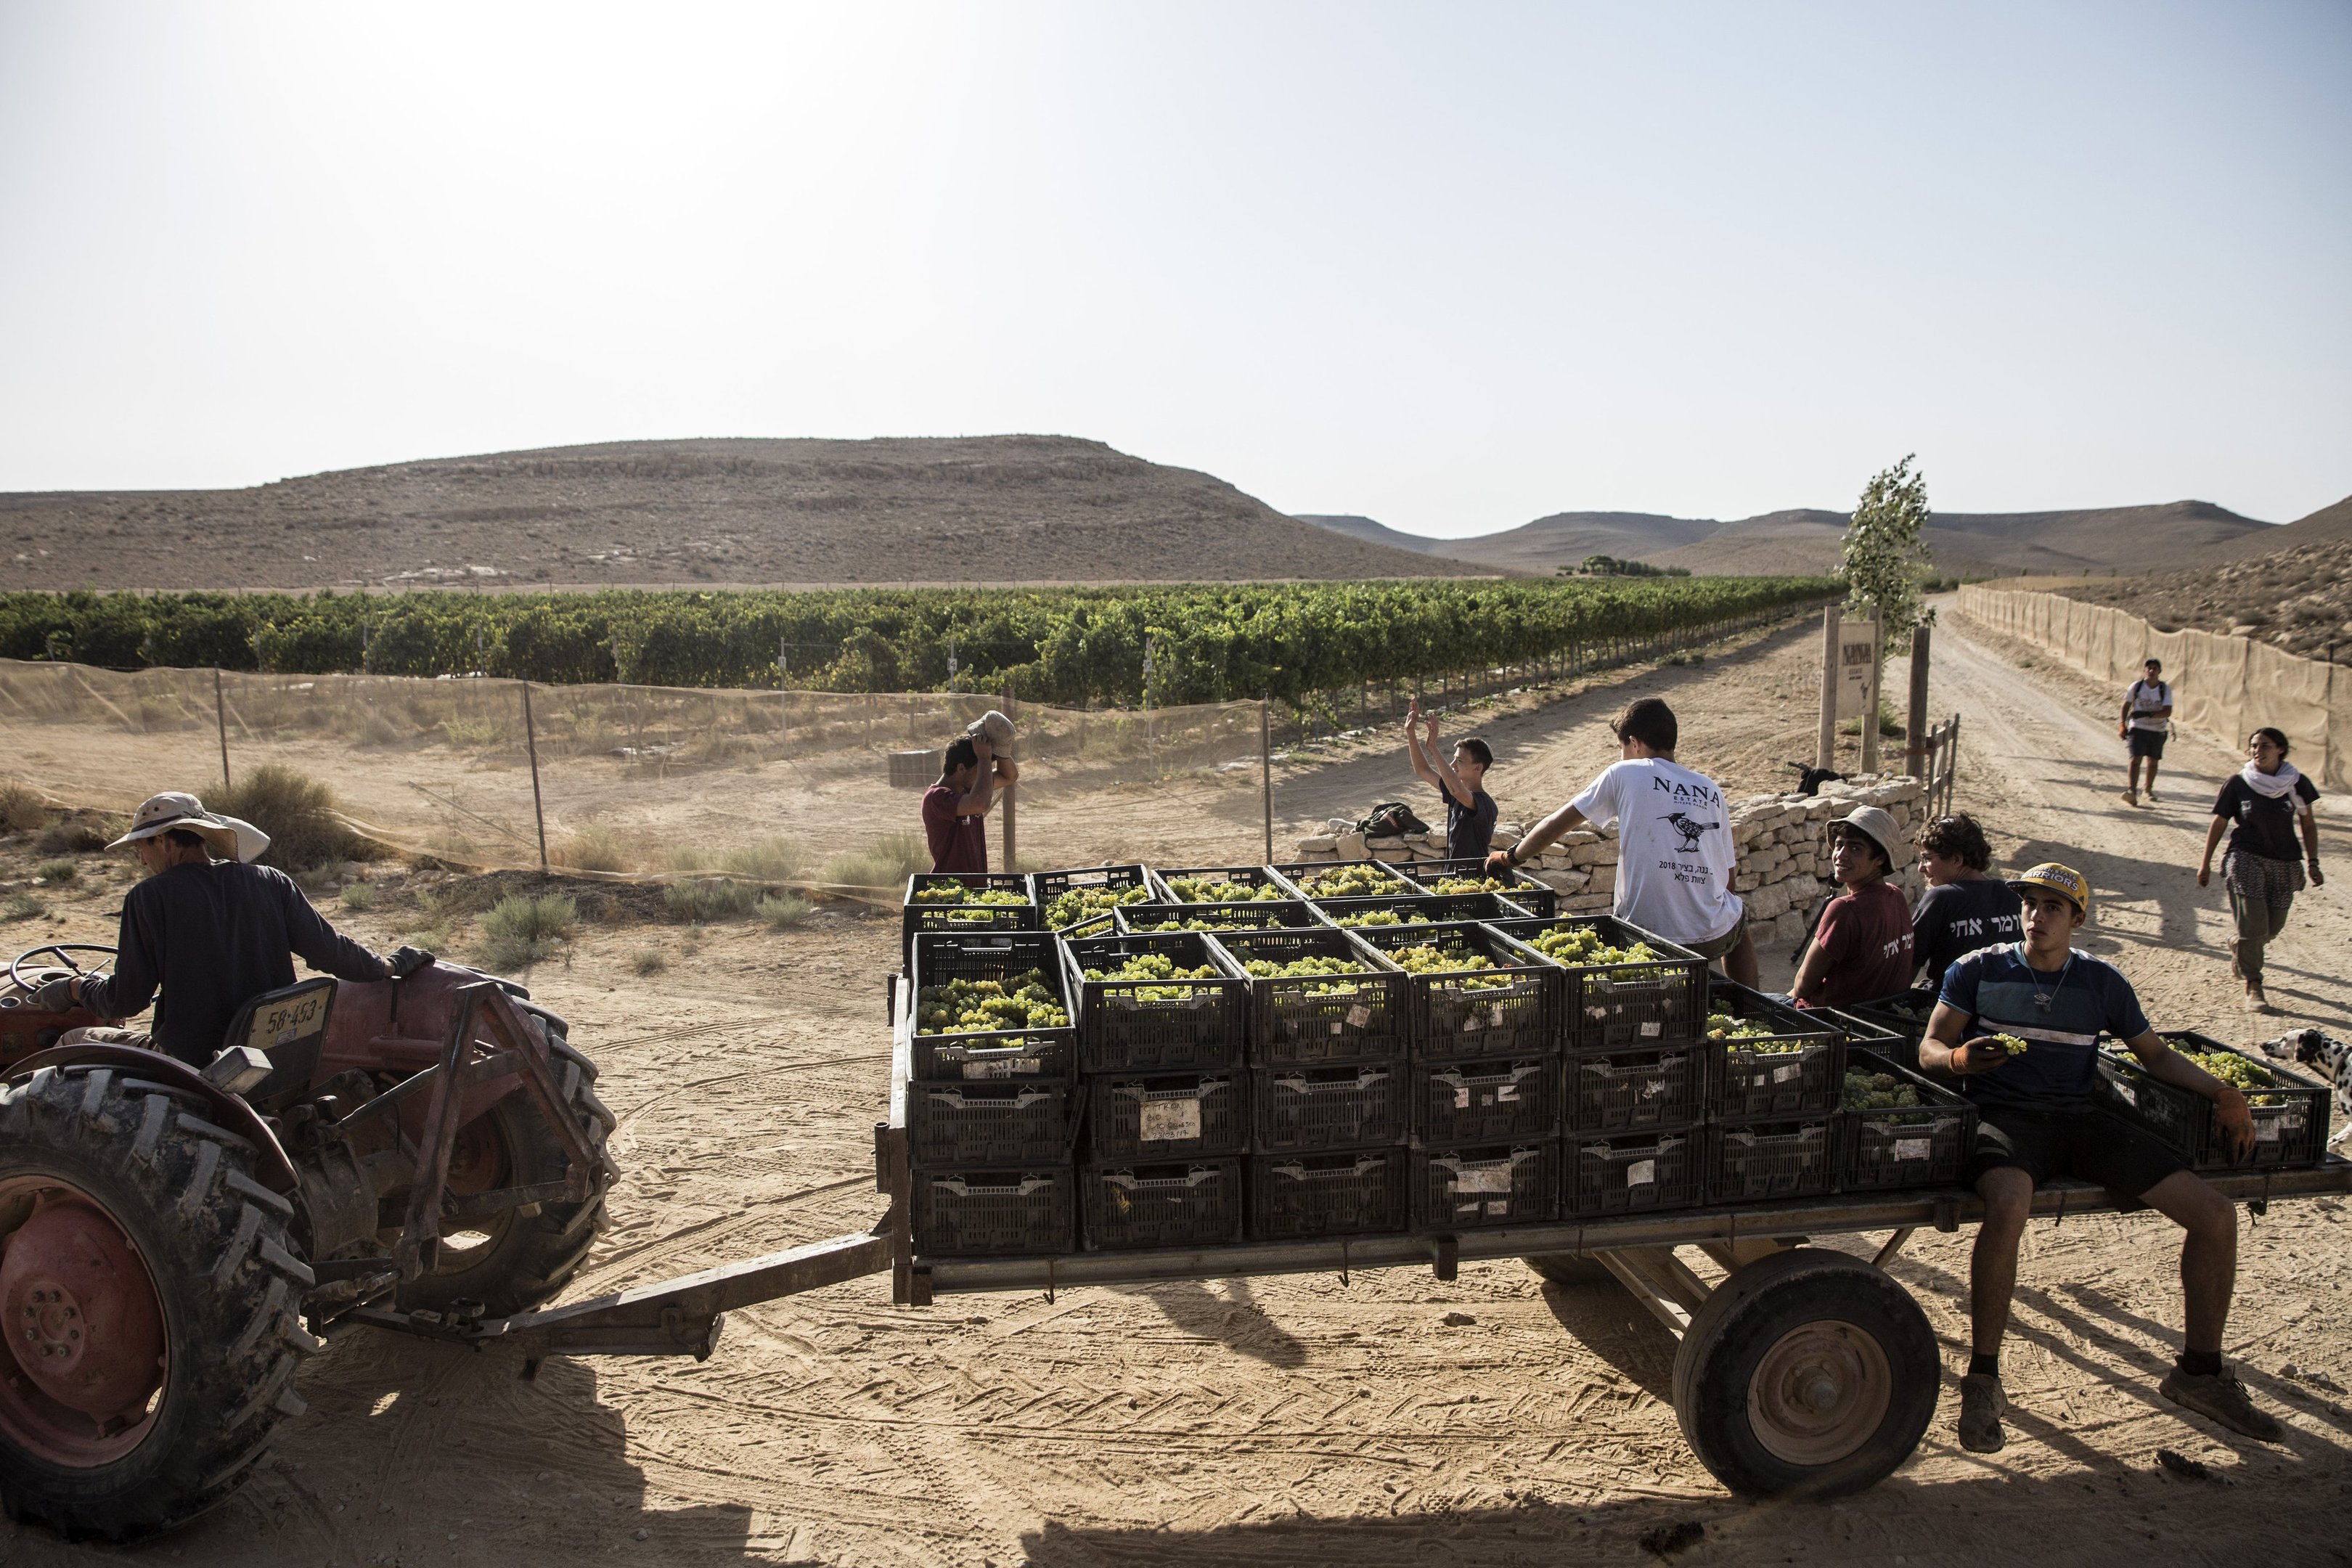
x: 2300, y: 599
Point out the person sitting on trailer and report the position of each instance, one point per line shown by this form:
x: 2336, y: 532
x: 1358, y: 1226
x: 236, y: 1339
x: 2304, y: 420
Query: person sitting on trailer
x: 2020, y: 1026
x: 1964, y: 908
x: 1674, y: 855
x: 1470, y: 811
x: 955, y: 809
x: 1862, y: 949
x: 210, y: 931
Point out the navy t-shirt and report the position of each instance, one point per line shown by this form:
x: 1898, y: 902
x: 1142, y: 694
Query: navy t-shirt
x: 1469, y: 829
x: 1959, y: 918
x: 2059, y: 1015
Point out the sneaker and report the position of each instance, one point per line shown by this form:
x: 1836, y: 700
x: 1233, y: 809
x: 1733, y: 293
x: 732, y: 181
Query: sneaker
x: 2220, y: 1396
x: 2151, y: 797
x: 1981, y: 1406
x: 2131, y: 797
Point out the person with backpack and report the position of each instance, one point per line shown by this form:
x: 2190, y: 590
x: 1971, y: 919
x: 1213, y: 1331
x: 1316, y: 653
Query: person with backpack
x: 2146, y: 721
x: 1470, y: 811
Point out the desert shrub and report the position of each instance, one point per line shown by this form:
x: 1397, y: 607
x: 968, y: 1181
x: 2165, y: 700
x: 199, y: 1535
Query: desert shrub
x: 22, y: 809
x: 767, y: 860
x: 523, y: 929
x: 73, y: 836
x: 782, y: 913
x: 648, y: 961
x: 360, y: 896
x: 893, y: 859
x: 592, y: 849
x: 56, y: 871
x: 297, y: 811
x: 21, y: 907
x: 697, y: 902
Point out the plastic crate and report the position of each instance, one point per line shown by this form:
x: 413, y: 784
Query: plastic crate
x: 1635, y: 1173
x: 1121, y: 1030
x: 1166, y: 1117
x: 1604, y: 1093
x: 1797, y: 1069
x: 1290, y: 1025
x: 1864, y: 1035
x: 1903, y: 1015
x: 1354, y: 1106
x: 1264, y: 914
x: 1163, y: 889
x: 1192, y: 1203
x: 1421, y: 909
x: 1512, y: 1099
x: 954, y: 1126
x: 1462, y: 1014
x: 1661, y: 1000
x: 1539, y: 900
x: 1880, y: 1150
x: 1105, y: 887
x: 1046, y: 1056
x: 1490, y: 1184
x: 966, y: 917
x: 943, y: 956
x: 2289, y: 1120
x: 977, y: 1214
x: 1300, y: 878
x: 1357, y: 1193
x: 1750, y: 1162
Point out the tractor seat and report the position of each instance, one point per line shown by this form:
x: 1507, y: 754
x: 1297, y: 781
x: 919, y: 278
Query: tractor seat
x: 289, y: 1026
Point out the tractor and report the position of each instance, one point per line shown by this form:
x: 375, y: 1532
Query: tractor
x: 174, y: 1240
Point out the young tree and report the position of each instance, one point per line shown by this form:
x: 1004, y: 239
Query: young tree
x: 1883, y: 552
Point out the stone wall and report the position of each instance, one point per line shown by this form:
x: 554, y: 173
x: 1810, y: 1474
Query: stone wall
x: 1783, y: 842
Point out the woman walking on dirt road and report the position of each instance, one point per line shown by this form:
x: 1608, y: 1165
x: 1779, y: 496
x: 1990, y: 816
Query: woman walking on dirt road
x: 2266, y: 800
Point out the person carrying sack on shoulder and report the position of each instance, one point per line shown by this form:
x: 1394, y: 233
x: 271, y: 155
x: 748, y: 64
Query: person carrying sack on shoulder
x: 2266, y: 800
x: 1470, y: 811
x: 955, y: 810
x: 2146, y: 721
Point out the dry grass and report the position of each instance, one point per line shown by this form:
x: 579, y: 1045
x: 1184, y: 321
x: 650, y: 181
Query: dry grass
x: 297, y: 811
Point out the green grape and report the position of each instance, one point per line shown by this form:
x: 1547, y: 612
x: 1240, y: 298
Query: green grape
x: 2239, y: 1072
x: 1428, y: 960
x: 1357, y: 879
x: 1468, y: 885
x: 965, y: 1006
x: 1878, y: 1091
x: 2010, y: 1044
x: 1068, y: 909
x: 1312, y: 965
x: 1209, y: 891
x: 1383, y: 917
x: 957, y: 893
x: 1724, y: 1027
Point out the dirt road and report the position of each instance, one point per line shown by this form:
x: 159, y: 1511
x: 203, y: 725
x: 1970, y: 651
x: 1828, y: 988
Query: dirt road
x: 1388, y: 1420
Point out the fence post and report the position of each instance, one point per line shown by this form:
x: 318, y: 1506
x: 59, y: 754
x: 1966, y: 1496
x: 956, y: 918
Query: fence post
x: 1825, y: 748
x: 1870, y: 708
x: 530, y: 741
x: 220, y: 718
x: 1265, y: 767
x: 1012, y: 823
x: 1915, y: 727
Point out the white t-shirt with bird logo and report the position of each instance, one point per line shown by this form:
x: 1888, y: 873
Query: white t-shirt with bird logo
x: 1675, y: 851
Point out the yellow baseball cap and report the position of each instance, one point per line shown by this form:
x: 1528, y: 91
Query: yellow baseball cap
x: 2058, y: 878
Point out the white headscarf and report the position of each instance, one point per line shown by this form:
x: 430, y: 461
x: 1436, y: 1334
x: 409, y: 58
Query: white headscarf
x: 2272, y: 786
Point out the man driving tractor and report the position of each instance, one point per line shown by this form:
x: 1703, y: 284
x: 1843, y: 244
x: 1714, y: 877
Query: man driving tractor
x: 210, y: 930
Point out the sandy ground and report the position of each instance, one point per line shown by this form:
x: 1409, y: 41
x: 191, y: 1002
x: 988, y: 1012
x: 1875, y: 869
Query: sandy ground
x: 1386, y: 1420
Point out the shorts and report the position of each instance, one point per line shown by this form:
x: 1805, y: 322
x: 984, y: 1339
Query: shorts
x: 1718, y: 946
x: 2148, y: 744
x: 2087, y: 1144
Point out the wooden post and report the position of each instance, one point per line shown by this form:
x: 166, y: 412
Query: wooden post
x: 220, y: 717
x: 1825, y: 749
x: 1870, y: 704
x: 1915, y: 726
x: 1265, y: 767
x: 1012, y: 821
x: 538, y: 811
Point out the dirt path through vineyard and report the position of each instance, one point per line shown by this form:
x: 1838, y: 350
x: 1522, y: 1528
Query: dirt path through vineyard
x: 1387, y: 1419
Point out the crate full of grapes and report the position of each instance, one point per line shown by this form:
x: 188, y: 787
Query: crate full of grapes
x: 2289, y: 1111
x: 1217, y: 885
x: 1081, y: 903
x: 1896, y: 1129
x: 1255, y: 914
x: 965, y: 901
x: 1623, y: 986
x: 985, y: 1000
x: 1160, y: 1001
x: 1420, y: 908
x: 1318, y: 880
x: 1539, y: 899
x: 1357, y: 1192
x: 1316, y: 996
x: 1470, y: 991
x: 1766, y: 1059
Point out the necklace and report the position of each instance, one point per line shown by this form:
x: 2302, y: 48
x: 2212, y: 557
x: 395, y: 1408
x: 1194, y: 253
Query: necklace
x: 2044, y: 1000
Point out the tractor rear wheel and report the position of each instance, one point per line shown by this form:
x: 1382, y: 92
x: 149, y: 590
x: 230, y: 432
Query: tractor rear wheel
x: 148, y: 1289
x: 512, y: 1261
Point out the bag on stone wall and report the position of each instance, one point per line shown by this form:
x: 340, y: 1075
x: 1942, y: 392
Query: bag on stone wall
x: 1390, y: 819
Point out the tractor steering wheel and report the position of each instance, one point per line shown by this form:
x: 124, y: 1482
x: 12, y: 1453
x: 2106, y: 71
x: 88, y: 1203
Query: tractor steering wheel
x: 64, y: 952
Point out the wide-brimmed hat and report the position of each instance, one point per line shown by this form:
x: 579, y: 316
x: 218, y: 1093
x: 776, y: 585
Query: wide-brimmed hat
x: 2064, y: 880
x: 1879, y: 829
x: 230, y: 837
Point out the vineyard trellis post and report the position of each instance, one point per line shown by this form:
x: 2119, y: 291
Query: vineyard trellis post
x: 1012, y: 823
x: 1265, y: 766
x: 1825, y: 744
x: 220, y: 718
x: 530, y: 742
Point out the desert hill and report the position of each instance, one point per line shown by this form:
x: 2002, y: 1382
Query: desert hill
x: 2328, y: 525
x: 994, y: 509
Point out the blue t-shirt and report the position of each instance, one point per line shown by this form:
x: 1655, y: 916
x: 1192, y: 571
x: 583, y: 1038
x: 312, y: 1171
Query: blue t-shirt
x: 2059, y: 1017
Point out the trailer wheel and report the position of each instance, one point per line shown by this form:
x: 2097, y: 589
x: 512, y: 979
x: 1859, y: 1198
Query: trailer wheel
x: 1807, y: 1374
x: 1573, y: 1271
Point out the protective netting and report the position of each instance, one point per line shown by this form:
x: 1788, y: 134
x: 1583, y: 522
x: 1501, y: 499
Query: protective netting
x: 792, y: 787
x: 2223, y: 687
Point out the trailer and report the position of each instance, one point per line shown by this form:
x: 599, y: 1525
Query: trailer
x: 1804, y: 1371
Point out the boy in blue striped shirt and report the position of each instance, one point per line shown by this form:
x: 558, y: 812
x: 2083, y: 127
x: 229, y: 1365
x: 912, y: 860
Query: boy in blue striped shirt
x: 2037, y: 1121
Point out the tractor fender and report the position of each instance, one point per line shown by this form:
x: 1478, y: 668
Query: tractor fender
x: 270, y: 1165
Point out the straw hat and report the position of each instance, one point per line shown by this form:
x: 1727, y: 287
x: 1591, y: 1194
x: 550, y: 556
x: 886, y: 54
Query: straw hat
x: 229, y: 837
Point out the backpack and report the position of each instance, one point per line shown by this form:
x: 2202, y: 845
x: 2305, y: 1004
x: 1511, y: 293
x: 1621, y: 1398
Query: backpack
x: 1390, y: 819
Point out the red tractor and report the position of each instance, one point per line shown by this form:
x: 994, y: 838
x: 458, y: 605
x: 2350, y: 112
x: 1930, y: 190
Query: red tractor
x: 428, y: 1153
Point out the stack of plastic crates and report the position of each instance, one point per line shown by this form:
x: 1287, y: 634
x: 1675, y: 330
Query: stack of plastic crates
x: 1633, y: 1074
x: 1318, y: 880
x: 1084, y: 902
x: 1891, y: 1026
x: 2289, y: 1111
x: 1167, y: 1096
x: 1884, y: 1143
x: 1776, y: 1079
x: 1483, y: 1031
x: 989, y: 1096
x: 1527, y: 895
x: 1326, y: 1052
x: 963, y: 902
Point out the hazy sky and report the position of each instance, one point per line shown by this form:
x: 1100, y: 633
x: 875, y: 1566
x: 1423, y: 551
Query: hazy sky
x: 1450, y: 266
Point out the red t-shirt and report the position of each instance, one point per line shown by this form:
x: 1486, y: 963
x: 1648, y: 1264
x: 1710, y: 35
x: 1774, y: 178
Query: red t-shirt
x: 958, y: 843
x: 1866, y: 937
